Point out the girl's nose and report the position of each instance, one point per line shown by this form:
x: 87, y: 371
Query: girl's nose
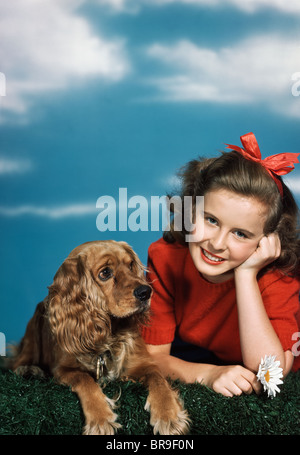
x: 218, y: 241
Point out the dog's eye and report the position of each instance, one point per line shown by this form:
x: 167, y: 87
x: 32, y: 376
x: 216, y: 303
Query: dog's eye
x: 131, y: 265
x: 105, y: 274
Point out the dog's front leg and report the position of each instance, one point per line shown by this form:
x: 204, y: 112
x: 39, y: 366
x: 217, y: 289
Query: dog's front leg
x: 168, y: 416
x: 99, y: 418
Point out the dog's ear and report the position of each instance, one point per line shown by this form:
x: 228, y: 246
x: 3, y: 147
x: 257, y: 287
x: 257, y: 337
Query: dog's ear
x: 68, y: 275
x: 140, y: 266
x: 77, y: 308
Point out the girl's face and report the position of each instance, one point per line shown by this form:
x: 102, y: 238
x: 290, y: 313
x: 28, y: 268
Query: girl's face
x: 233, y: 228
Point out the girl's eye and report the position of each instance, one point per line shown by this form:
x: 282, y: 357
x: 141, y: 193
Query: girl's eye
x: 211, y: 220
x: 105, y: 274
x: 240, y: 234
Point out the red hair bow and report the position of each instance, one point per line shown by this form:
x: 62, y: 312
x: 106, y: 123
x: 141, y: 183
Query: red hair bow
x: 280, y: 164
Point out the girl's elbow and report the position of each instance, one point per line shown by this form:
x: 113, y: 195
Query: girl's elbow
x: 288, y: 363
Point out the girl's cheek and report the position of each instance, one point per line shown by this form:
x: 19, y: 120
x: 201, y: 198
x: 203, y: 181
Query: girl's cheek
x: 241, y: 254
x: 199, y: 233
x: 207, y: 232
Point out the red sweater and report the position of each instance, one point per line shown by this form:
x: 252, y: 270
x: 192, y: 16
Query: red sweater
x: 205, y: 313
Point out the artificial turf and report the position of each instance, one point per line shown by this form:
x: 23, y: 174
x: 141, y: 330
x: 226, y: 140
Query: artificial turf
x: 38, y: 406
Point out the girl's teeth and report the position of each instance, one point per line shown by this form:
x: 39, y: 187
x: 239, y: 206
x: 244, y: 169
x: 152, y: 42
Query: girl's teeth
x: 212, y: 258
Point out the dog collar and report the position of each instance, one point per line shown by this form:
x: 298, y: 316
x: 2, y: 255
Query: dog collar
x: 99, y: 367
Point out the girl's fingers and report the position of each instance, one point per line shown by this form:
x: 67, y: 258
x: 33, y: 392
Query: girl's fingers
x: 273, y: 244
x: 252, y: 380
x: 236, y: 380
x: 245, y: 386
x: 269, y: 247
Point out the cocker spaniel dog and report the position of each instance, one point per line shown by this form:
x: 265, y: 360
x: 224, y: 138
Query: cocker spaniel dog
x: 87, y: 329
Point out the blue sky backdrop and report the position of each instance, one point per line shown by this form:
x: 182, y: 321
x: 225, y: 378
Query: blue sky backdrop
x: 109, y: 94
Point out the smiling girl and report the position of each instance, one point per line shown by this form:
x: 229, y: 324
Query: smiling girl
x: 223, y: 302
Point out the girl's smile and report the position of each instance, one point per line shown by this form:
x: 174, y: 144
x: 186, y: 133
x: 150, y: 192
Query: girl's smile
x: 233, y: 227
x: 211, y: 258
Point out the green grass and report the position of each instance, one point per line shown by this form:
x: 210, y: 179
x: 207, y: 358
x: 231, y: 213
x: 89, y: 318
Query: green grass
x: 41, y: 406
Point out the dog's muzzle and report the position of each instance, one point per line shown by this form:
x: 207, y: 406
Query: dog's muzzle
x: 142, y: 293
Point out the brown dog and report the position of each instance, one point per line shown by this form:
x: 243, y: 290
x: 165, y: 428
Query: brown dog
x: 87, y: 328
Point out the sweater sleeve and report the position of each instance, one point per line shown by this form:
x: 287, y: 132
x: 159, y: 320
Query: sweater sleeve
x: 281, y: 299
x: 161, y: 328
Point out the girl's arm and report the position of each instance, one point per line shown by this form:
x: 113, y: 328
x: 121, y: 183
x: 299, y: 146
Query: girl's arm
x: 258, y: 338
x: 227, y: 380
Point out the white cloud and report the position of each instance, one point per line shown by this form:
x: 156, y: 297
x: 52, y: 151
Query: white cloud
x: 14, y: 166
x: 47, y: 46
x: 116, y: 5
x: 55, y: 212
x: 256, y: 70
x: 293, y: 183
x: 290, y: 6
x: 248, y: 6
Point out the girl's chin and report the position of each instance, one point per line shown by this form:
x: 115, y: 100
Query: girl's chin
x: 215, y: 273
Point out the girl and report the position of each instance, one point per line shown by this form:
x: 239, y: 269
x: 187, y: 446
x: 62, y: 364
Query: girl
x: 223, y: 302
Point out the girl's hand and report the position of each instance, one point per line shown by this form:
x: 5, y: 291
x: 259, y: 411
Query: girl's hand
x: 232, y: 380
x: 268, y: 249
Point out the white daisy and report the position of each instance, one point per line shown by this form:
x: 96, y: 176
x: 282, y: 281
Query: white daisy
x: 270, y: 374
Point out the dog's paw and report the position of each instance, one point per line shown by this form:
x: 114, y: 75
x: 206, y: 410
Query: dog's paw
x: 168, y: 417
x: 29, y: 370
x: 102, y: 422
x: 109, y: 427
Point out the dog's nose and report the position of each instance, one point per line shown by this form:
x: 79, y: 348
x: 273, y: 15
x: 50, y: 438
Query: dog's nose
x: 142, y: 293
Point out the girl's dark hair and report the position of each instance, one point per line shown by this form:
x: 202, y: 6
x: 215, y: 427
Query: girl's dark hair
x: 233, y: 172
